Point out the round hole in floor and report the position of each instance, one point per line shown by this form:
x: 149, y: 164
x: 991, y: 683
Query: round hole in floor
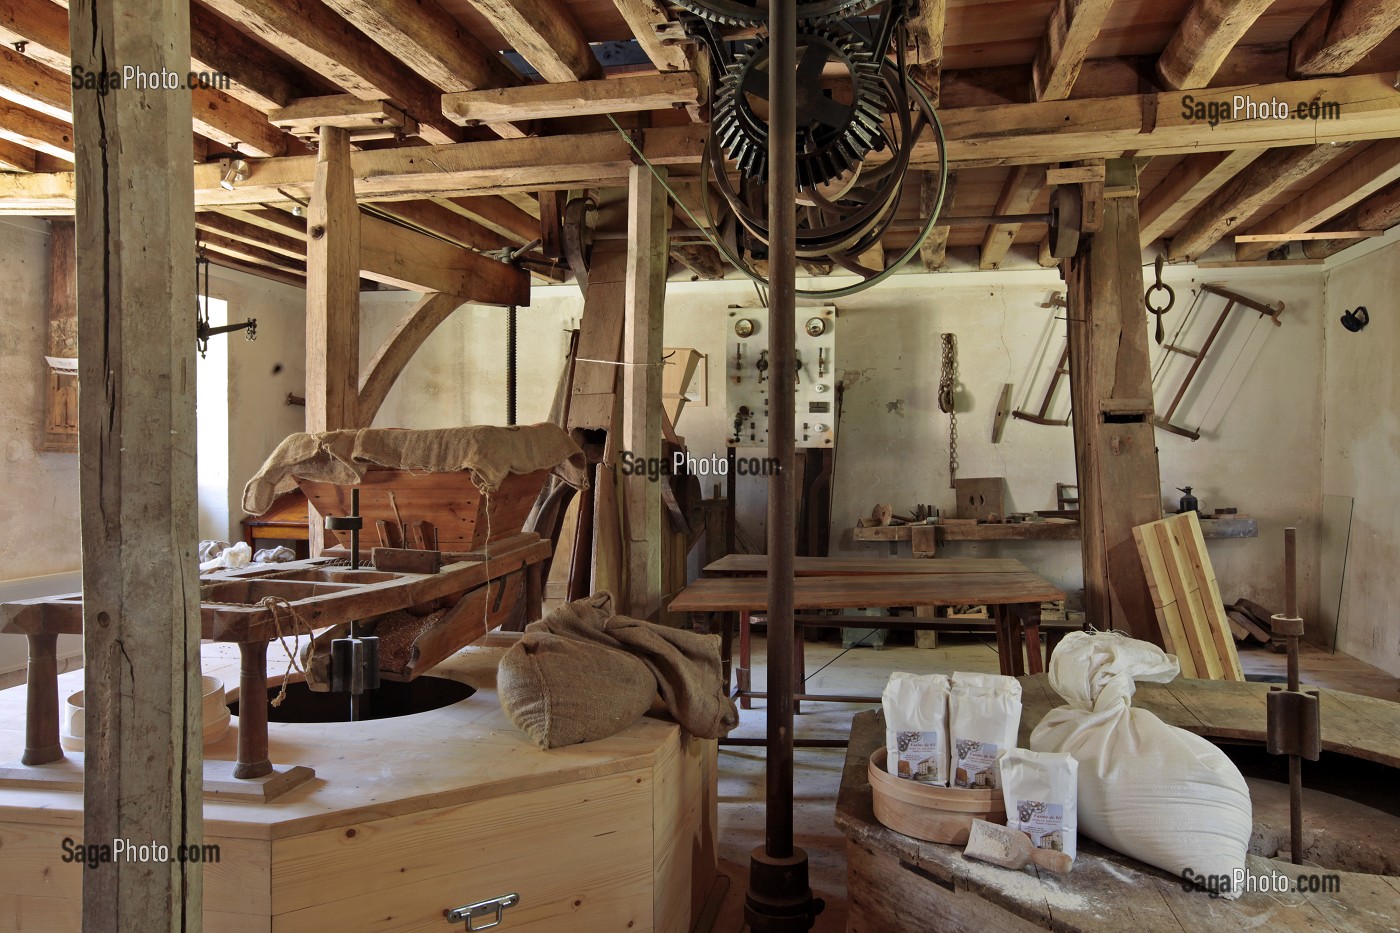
x: 391, y: 699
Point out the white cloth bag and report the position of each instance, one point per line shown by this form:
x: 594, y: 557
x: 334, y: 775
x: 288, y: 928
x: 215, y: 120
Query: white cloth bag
x: 1150, y: 790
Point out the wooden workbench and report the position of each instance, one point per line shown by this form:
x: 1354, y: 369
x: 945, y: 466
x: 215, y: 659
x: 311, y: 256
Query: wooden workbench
x: 1037, y: 531
x: 409, y: 816
x: 898, y: 884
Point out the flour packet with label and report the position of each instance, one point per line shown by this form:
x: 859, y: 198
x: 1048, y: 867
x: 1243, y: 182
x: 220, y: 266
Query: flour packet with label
x: 1041, y: 792
x: 984, y: 715
x: 916, y: 727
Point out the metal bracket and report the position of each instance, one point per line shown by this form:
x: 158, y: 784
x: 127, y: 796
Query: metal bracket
x: 493, y: 908
x: 1294, y: 723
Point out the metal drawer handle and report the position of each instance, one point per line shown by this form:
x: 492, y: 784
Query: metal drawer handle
x: 493, y: 908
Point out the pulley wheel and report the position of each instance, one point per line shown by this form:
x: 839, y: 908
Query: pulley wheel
x: 1066, y: 218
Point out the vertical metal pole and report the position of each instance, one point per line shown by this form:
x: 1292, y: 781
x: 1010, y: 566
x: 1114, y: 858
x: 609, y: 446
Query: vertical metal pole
x: 782, y: 304
x: 1295, y: 762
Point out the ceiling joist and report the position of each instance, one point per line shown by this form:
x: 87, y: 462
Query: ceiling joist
x: 1340, y: 34
x: 1206, y: 35
x: 626, y: 94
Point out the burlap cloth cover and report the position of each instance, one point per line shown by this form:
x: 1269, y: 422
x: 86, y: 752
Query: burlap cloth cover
x: 490, y: 453
x: 583, y: 673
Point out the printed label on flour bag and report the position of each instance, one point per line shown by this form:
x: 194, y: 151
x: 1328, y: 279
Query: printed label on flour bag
x: 921, y: 755
x: 974, y: 764
x: 1043, y: 822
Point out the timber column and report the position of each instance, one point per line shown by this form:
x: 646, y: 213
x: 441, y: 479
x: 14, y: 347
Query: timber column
x: 1115, y: 449
x: 136, y: 350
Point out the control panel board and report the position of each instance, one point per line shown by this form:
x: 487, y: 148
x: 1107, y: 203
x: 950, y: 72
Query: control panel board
x: 747, y: 371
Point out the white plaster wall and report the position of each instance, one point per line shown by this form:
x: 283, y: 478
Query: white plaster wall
x: 1259, y: 399
x: 38, y: 491
x: 1361, y: 450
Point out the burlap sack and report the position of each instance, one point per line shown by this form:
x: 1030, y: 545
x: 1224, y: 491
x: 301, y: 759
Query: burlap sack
x: 562, y: 691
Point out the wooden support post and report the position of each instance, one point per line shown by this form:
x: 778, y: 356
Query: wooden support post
x: 136, y: 321
x: 641, y: 384
x: 1111, y: 396
x: 332, y: 297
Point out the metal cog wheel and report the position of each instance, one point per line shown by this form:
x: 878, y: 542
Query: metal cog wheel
x: 739, y: 13
x: 832, y: 137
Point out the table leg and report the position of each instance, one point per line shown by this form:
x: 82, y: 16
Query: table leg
x: 1030, y: 618
x: 745, y: 648
x: 1013, y: 638
x: 799, y: 665
x: 41, y: 702
x: 1052, y: 640
x: 253, y: 761
x: 1003, y: 630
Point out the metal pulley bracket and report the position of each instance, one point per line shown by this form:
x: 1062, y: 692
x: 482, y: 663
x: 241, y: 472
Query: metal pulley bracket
x: 1294, y: 723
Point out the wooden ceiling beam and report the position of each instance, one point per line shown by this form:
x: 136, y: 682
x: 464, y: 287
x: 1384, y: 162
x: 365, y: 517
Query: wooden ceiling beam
x: 1380, y: 212
x: 1195, y: 179
x: 498, y: 214
x: 1072, y: 27
x: 438, y: 220
x: 249, y: 253
x: 36, y: 131
x: 934, y: 250
x: 271, y: 220
x: 654, y: 28
x: 315, y: 35
x: 29, y: 82
x: 258, y: 76
x: 234, y: 228
x: 399, y: 256
x: 1017, y: 197
x: 704, y: 262
x: 627, y: 94
x: 1204, y: 37
x: 265, y: 272
x: 546, y: 35
x: 16, y: 157
x: 1340, y: 34
x: 926, y: 30
x: 1374, y: 168
x: 1234, y: 204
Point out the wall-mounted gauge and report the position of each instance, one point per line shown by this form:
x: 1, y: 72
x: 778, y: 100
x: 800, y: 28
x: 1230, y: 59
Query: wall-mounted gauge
x: 815, y: 327
x: 744, y: 327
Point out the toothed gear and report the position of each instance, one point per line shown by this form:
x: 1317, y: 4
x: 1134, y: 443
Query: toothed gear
x: 832, y: 137
x: 738, y: 13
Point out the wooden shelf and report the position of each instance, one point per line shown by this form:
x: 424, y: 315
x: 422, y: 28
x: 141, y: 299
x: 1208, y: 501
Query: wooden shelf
x: 1042, y: 531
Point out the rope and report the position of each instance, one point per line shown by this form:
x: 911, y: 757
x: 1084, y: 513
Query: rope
x: 273, y: 604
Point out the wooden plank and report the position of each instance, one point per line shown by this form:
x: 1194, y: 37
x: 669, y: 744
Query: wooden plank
x: 1379, y: 212
x: 137, y: 427
x: 398, y: 348
x: 600, y: 338
x: 608, y: 818
x: 1193, y: 544
x: 1071, y: 29
x: 1375, y: 167
x: 306, y: 115
x: 1164, y: 599
x: 1190, y: 183
x: 498, y: 214
x: 648, y: 21
x: 1339, y: 35
x: 684, y: 805
x: 1188, y: 601
x: 1268, y: 177
x: 258, y: 76
x: 1115, y: 459
x: 854, y: 592
x: 313, y: 34
x: 235, y: 228
x: 926, y: 29
x: 609, y: 555
x: 396, y: 255
x: 432, y: 217
x: 36, y: 131
x: 841, y: 566
x: 333, y: 293
x: 1204, y: 37
x: 546, y: 35
x: 626, y: 94
x: 1018, y: 195
x: 254, y: 255
x: 16, y: 157
x: 60, y: 429
x: 645, y: 298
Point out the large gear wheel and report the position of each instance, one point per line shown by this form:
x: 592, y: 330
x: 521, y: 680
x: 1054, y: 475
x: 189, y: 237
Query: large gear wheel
x: 739, y: 13
x: 832, y: 136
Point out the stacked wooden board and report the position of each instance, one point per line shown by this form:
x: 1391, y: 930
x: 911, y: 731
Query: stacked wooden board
x: 1186, y: 598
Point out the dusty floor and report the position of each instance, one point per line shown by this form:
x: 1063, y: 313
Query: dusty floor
x: 817, y: 772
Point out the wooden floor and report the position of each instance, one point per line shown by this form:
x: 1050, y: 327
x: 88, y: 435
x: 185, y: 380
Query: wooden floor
x: 817, y: 772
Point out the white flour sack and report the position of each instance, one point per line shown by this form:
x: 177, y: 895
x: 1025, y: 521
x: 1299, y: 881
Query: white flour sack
x: 1040, y: 790
x: 1147, y: 789
x: 916, y: 727
x: 984, y: 715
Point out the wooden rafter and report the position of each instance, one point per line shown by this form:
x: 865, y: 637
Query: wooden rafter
x: 648, y: 20
x: 37, y: 131
x: 1340, y: 34
x: 1380, y: 212
x: 17, y: 158
x: 575, y: 98
x: 247, y: 252
x: 258, y: 76
x: 1234, y: 204
x: 277, y: 275
x: 926, y: 30
x: 1017, y: 197
x: 1073, y: 25
x: 497, y: 214
x: 1377, y: 166
x: 317, y: 36
x: 1205, y: 35
x: 232, y: 227
x: 396, y: 255
x: 934, y: 249
x: 546, y: 34
x: 703, y: 261
x: 443, y: 222
x: 1190, y: 183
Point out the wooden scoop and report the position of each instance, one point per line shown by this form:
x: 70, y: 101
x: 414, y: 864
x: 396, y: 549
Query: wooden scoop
x: 1011, y: 848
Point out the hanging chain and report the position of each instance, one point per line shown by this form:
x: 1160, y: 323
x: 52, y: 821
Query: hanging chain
x: 946, y: 385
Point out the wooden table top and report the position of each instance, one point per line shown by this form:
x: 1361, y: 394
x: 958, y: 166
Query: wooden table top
x: 733, y: 564
x: 1108, y: 892
x: 727, y: 594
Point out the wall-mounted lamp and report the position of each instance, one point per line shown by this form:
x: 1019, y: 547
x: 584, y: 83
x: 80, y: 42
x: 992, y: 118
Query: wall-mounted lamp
x: 1354, y: 321
x: 235, y: 170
